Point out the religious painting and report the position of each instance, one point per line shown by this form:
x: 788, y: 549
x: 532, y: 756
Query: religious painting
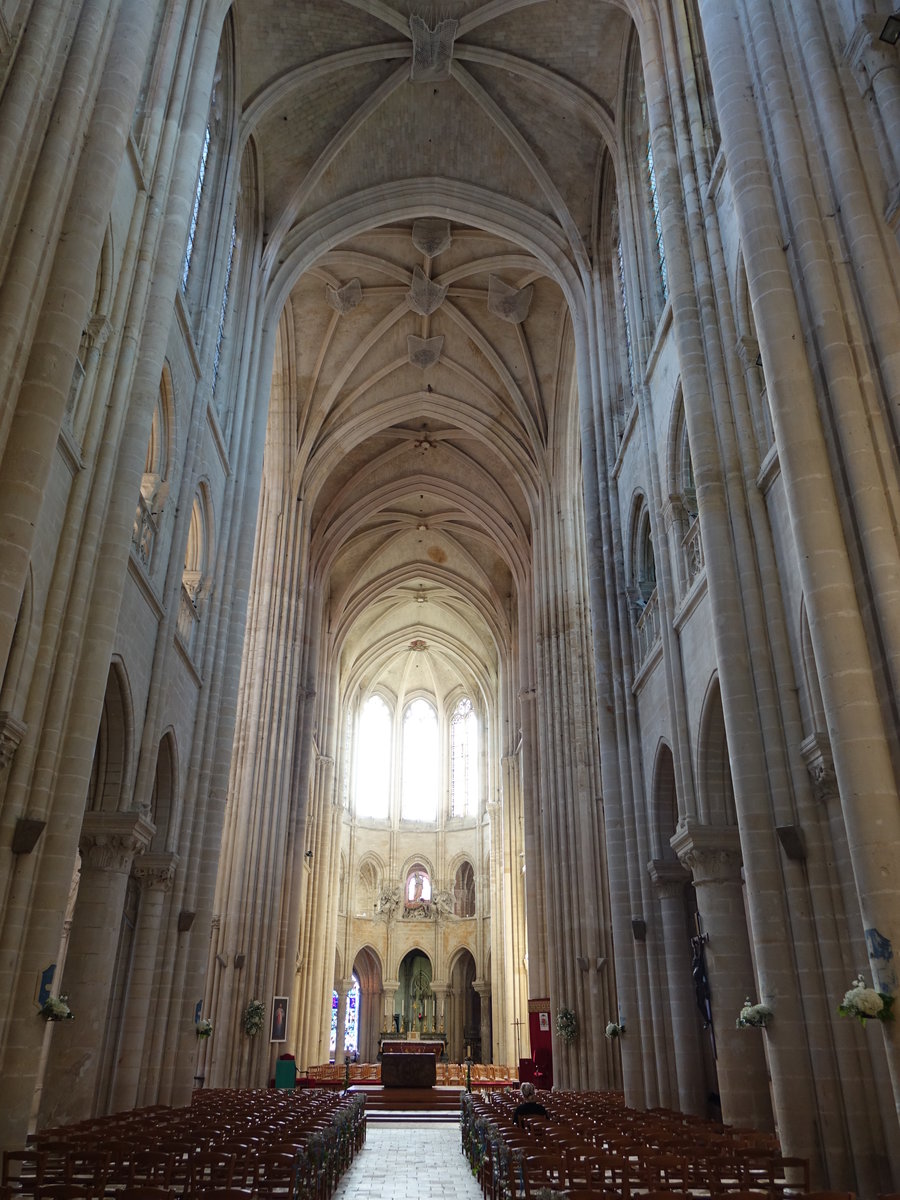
x: 544, y: 1022
x: 279, y: 1019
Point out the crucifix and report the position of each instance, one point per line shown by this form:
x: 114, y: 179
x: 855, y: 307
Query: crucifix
x: 517, y: 1024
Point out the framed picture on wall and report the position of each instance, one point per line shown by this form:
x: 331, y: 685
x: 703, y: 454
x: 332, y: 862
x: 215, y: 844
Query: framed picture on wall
x: 544, y: 1022
x: 279, y: 1019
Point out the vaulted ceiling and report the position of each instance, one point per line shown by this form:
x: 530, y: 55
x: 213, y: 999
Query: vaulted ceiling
x: 427, y: 351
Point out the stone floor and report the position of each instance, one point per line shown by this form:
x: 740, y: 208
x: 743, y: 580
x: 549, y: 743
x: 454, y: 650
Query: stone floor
x: 410, y: 1160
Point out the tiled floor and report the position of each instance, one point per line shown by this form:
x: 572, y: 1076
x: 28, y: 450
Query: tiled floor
x: 410, y: 1162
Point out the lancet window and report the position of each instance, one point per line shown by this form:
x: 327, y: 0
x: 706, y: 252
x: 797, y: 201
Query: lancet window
x: 463, y: 760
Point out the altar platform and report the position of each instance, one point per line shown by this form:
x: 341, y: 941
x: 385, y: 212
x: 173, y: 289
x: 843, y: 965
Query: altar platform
x: 409, y: 1104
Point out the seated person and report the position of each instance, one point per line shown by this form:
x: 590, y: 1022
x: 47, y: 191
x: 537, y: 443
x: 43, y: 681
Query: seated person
x: 529, y: 1106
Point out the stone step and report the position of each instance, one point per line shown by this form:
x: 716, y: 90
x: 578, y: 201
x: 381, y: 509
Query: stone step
x: 411, y: 1101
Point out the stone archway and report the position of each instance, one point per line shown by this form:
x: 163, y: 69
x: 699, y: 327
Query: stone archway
x: 367, y: 969
x: 463, y: 1010
x: 415, y: 999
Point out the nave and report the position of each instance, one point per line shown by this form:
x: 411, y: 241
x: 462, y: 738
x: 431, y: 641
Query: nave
x: 420, y: 1160
x: 321, y: 1144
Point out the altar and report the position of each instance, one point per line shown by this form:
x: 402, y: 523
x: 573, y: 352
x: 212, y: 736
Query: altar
x: 409, y: 1063
x: 401, y: 1045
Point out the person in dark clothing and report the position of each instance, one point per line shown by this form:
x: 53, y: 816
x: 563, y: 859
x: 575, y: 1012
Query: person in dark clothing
x: 529, y: 1106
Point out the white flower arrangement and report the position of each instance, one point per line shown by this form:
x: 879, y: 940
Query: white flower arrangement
x: 252, y: 1019
x: 204, y: 1028
x: 613, y: 1030
x: 754, y: 1016
x: 55, y: 1008
x: 865, y: 1003
x: 566, y: 1025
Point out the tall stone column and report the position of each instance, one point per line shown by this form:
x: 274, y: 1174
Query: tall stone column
x: 483, y: 988
x: 440, y: 991
x: 670, y: 880
x: 713, y: 855
x: 109, y: 842
x: 389, y: 987
x: 155, y: 873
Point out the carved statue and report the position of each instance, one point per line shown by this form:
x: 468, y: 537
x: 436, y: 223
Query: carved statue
x: 389, y: 901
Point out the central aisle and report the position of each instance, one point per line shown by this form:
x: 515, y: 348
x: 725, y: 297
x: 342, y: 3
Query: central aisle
x: 410, y: 1159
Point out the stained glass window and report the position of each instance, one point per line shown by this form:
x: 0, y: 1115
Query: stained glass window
x: 223, y: 310
x: 351, y: 1029
x: 626, y: 323
x: 195, y: 212
x: 351, y: 1020
x: 657, y: 222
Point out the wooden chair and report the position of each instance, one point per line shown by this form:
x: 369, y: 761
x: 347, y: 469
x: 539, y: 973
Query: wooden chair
x: 274, y: 1174
x: 23, y: 1170
x: 151, y: 1168
x: 211, y: 1169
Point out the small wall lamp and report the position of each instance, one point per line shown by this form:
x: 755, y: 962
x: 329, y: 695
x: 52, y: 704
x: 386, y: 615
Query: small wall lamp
x: 308, y: 857
x: 891, y: 31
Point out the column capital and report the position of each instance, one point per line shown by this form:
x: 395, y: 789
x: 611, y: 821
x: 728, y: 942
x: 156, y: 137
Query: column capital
x: 866, y: 53
x: 668, y: 877
x: 11, y: 733
x: 711, y: 852
x: 110, y: 840
x: 155, y: 871
x: 816, y: 751
x: 482, y: 987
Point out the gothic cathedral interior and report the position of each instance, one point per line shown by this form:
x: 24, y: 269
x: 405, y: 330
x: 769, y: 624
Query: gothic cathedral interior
x: 450, y: 550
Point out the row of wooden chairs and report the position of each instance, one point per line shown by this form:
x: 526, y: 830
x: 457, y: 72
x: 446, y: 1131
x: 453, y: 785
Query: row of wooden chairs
x: 268, y: 1145
x: 592, y: 1145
